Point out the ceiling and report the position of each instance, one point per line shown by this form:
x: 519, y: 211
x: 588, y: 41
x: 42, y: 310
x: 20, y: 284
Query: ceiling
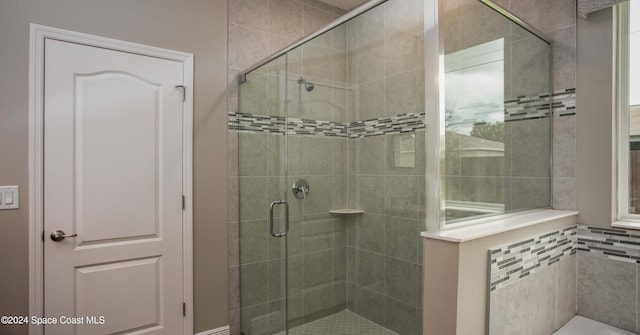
x: 345, y: 4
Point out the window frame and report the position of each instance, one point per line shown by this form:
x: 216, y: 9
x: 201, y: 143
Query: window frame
x: 622, y: 116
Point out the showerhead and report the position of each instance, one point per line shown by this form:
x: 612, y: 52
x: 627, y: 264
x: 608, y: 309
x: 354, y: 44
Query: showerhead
x: 307, y: 85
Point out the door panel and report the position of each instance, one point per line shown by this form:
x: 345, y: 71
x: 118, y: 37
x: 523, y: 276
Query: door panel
x: 106, y: 167
x: 142, y: 282
x: 113, y: 175
x: 263, y: 192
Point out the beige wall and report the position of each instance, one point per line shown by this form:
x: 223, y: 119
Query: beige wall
x: 194, y: 26
x: 466, y: 283
x: 594, y: 124
x: 440, y: 301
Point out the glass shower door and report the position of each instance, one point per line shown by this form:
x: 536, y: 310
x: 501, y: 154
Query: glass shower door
x: 292, y: 172
x: 264, y: 210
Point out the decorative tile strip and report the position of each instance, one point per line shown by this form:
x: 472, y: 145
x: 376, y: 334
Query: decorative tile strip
x: 612, y: 243
x: 563, y: 102
x: 403, y: 123
x: 517, y: 260
x: 316, y: 127
x: 519, y: 108
x: 254, y: 123
x: 511, y: 262
x: 526, y: 107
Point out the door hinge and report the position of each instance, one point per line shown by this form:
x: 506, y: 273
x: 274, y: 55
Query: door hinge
x: 184, y: 202
x: 184, y: 92
x: 184, y: 309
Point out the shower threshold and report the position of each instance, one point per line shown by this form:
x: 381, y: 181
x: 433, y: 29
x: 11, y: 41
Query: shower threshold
x: 341, y: 323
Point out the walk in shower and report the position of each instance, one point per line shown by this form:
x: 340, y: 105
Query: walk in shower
x: 333, y: 178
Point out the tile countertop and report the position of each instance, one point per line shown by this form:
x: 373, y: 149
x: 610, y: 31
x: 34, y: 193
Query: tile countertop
x: 499, y: 225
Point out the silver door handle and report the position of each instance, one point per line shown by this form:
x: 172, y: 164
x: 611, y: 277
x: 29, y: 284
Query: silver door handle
x: 286, y: 218
x: 59, y: 235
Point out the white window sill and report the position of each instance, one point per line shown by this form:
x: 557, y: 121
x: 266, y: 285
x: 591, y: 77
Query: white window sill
x: 500, y: 225
x: 626, y: 224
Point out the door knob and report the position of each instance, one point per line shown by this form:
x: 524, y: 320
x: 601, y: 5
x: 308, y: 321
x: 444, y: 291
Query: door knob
x: 59, y: 235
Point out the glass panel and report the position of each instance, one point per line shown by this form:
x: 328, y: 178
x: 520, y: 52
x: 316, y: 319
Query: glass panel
x: 262, y: 170
x: 634, y: 108
x: 317, y: 137
x: 386, y: 165
x: 345, y: 112
x: 351, y: 103
x: 496, y: 115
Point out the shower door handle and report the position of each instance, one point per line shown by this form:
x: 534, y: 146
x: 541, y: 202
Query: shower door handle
x: 286, y: 218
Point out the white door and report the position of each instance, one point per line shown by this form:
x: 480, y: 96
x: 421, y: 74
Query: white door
x: 113, y: 176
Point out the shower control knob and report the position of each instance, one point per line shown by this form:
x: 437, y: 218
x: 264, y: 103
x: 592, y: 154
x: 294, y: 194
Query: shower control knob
x: 300, y: 189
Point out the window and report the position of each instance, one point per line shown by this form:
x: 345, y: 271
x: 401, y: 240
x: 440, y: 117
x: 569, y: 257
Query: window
x: 628, y: 109
x: 489, y: 152
x: 474, y: 131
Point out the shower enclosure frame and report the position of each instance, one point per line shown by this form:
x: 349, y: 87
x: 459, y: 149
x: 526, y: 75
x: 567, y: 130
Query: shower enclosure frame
x: 435, y: 114
x: 434, y: 98
x: 434, y: 103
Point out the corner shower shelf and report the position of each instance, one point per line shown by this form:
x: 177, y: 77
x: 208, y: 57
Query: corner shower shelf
x: 346, y: 211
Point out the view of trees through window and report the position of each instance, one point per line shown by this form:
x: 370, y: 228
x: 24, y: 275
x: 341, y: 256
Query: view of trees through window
x: 634, y: 107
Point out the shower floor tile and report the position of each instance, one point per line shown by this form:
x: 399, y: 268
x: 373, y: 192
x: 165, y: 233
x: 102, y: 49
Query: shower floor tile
x: 341, y: 323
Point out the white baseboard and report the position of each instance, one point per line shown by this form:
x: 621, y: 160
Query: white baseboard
x: 218, y: 331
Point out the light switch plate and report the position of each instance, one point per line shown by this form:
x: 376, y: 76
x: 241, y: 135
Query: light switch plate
x: 11, y: 192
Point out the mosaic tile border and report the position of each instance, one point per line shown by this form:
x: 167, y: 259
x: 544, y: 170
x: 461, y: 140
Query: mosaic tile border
x: 611, y: 243
x: 526, y: 107
x: 563, y: 103
x: 254, y: 123
x: 519, y: 108
x: 403, y: 123
x: 511, y: 262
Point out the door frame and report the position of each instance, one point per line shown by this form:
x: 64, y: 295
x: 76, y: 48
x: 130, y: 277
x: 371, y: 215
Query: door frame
x: 38, y: 35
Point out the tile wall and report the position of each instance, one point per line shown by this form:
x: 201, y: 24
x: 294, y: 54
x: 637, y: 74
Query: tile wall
x: 384, y: 252
x: 608, y: 276
x: 515, y: 261
x: 538, y: 284
x: 532, y: 287
x: 467, y: 23
x: 317, y: 241
x: 374, y: 259
x: 536, y: 304
x: 557, y: 19
x: 548, y: 297
x: 369, y: 155
x: 387, y: 165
